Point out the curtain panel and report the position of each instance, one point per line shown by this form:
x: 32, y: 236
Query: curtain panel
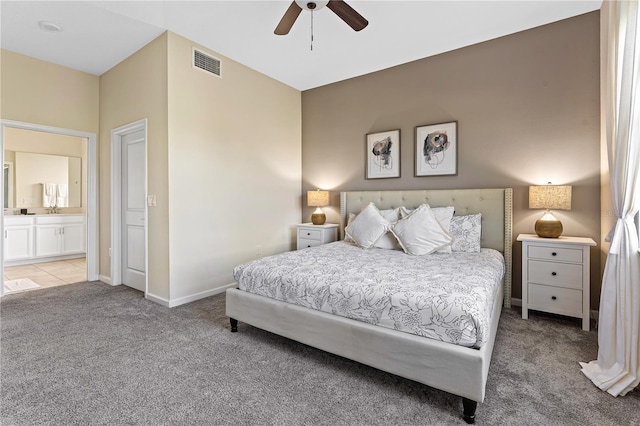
x: 617, y: 369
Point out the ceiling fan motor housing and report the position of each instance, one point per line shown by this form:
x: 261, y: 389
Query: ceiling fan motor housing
x: 311, y: 5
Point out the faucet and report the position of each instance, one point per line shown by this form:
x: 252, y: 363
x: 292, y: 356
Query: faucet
x: 53, y: 210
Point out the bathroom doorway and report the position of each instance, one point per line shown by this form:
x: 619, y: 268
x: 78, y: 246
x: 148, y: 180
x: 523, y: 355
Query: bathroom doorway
x: 49, y: 219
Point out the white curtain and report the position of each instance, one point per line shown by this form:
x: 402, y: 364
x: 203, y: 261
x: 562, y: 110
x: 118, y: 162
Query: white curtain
x: 617, y: 369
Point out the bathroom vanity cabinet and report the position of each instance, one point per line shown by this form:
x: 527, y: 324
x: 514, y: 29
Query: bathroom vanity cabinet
x: 43, y: 238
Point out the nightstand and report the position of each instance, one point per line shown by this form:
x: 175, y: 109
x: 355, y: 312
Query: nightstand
x: 310, y: 235
x: 555, y: 276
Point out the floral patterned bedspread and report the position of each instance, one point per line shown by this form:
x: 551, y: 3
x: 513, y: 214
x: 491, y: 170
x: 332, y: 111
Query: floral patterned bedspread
x: 448, y: 297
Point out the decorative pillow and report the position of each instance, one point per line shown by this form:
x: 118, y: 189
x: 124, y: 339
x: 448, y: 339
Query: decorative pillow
x: 466, y: 232
x: 420, y: 233
x: 443, y: 215
x: 367, y: 227
x: 347, y: 238
x: 388, y: 241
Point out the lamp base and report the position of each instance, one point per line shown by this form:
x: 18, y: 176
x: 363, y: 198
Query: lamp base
x: 548, y: 228
x: 318, y: 218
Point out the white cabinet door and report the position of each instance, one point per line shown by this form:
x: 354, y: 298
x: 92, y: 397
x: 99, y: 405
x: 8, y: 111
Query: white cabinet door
x: 48, y: 241
x: 72, y: 236
x: 18, y: 242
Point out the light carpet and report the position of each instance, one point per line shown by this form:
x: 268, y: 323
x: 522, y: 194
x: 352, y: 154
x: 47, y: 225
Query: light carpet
x: 21, y: 284
x: 92, y: 354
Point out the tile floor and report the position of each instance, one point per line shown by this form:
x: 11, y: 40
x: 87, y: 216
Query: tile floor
x: 50, y: 274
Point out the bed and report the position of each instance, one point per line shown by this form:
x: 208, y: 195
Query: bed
x: 459, y: 370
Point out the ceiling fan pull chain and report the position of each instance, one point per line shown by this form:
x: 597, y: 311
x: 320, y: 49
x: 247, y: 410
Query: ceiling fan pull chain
x: 311, y: 29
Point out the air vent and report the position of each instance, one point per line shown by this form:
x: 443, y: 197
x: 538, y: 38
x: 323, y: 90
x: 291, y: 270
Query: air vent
x: 206, y: 63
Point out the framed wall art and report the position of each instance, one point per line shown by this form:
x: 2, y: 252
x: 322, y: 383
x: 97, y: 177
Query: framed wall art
x: 383, y: 155
x: 436, y: 149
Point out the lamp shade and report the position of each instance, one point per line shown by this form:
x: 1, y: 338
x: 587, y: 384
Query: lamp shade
x: 556, y: 197
x: 317, y: 198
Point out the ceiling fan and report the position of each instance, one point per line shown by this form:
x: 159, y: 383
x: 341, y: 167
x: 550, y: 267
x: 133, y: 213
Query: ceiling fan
x: 339, y: 7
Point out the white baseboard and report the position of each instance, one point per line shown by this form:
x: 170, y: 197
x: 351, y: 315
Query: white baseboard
x: 167, y: 303
x: 516, y: 302
x: 198, y: 296
x: 172, y: 303
x: 157, y: 299
x: 105, y: 279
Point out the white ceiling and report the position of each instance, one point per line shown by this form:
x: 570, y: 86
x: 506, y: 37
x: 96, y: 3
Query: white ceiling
x: 99, y: 34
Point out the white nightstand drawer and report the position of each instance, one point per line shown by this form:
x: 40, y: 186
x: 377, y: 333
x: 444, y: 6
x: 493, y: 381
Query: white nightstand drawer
x: 553, y: 253
x: 556, y: 300
x: 553, y: 273
x: 306, y: 243
x: 310, y: 234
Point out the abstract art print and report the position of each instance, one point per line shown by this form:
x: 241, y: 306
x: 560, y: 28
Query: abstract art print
x: 436, y: 149
x: 383, y: 155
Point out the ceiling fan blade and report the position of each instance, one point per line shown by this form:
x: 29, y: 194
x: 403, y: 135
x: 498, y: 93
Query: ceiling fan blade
x: 348, y: 14
x: 288, y: 19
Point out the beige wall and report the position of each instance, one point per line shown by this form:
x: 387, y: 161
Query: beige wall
x: 35, y: 91
x: 234, y: 169
x: 223, y: 161
x: 40, y: 92
x: 528, y: 112
x: 132, y: 90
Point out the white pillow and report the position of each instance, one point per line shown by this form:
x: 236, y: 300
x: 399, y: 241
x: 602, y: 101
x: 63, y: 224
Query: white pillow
x: 420, y: 233
x: 443, y: 215
x: 466, y: 232
x: 347, y: 238
x: 388, y: 241
x: 367, y: 227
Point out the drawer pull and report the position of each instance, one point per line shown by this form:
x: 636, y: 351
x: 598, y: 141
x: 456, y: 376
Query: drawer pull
x: 308, y: 233
x: 554, y: 254
x: 553, y: 298
x: 308, y: 246
x: 554, y: 274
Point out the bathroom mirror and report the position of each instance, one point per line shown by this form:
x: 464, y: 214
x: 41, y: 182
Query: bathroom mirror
x: 26, y: 172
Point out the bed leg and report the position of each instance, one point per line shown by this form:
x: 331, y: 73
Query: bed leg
x: 469, y: 410
x: 234, y: 325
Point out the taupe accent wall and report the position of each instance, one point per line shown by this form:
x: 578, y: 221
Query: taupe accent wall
x: 528, y: 112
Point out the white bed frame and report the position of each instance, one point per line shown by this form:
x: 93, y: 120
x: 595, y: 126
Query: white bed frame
x: 455, y: 369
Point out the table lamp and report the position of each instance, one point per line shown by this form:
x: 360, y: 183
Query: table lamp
x: 557, y: 197
x: 318, y: 199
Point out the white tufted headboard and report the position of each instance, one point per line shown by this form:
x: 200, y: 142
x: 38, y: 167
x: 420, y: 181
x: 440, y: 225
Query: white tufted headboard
x: 494, y: 204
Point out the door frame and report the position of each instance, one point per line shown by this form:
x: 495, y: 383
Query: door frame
x: 116, y: 201
x: 92, y: 189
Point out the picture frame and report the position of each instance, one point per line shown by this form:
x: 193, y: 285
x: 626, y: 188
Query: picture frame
x: 382, y: 155
x: 436, y: 149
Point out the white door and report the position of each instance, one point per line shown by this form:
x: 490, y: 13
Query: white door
x: 133, y: 210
